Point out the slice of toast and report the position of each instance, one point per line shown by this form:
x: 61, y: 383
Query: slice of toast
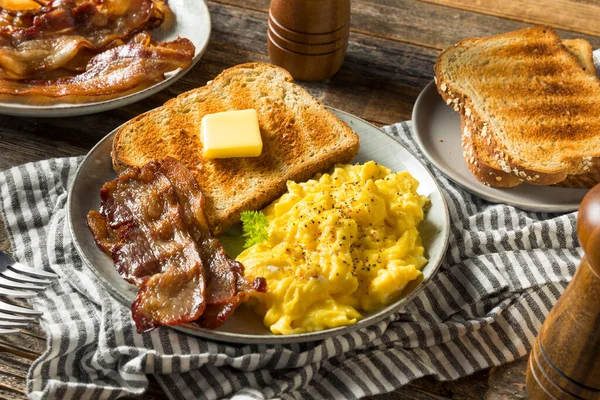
x: 541, y: 109
x: 476, y: 144
x: 300, y: 138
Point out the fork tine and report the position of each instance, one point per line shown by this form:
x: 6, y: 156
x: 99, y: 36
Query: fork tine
x: 15, y: 318
x: 23, y: 278
x: 6, y: 324
x: 5, y: 331
x: 17, y: 309
x: 33, y: 271
x: 18, y: 285
x: 19, y: 294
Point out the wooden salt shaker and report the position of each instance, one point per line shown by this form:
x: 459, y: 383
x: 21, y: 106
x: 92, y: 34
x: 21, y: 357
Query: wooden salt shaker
x: 565, y: 360
x: 308, y: 37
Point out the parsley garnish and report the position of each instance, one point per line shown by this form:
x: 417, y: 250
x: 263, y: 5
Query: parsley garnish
x: 255, y: 226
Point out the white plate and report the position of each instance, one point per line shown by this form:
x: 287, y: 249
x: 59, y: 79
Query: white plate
x: 245, y: 326
x: 192, y: 21
x: 437, y: 130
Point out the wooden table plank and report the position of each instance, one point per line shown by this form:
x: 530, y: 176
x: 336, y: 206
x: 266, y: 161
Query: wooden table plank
x: 14, y: 366
x: 427, y: 24
x: 574, y: 15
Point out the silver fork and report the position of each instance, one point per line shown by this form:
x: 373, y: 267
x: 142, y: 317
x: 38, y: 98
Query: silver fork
x: 19, y: 281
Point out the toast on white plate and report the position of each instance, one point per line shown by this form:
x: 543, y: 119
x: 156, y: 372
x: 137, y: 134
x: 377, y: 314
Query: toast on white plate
x: 530, y: 107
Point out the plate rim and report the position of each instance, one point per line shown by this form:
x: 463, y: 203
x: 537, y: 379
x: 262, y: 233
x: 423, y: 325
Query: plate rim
x: 237, y: 338
x: 474, y: 189
x: 71, y: 110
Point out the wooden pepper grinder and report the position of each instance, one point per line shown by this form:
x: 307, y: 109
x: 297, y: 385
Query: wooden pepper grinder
x: 565, y: 360
x: 308, y: 37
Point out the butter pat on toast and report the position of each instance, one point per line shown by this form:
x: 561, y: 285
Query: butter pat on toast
x: 530, y: 107
x: 300, y: 138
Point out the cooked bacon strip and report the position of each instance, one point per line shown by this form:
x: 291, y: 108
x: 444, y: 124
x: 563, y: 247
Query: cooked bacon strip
x: 85, y: 50
x: 144, y: 231
x: 48, y: 38
x: 100, y: 21
x: 216, y: 314
x: 153, y: 225
x: 80, y: 62
x: 114, y: 71
x: 33, y: 56
x: 226, y: 285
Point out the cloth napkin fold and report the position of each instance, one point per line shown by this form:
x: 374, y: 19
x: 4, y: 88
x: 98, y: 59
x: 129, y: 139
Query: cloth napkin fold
x: 503, y: 272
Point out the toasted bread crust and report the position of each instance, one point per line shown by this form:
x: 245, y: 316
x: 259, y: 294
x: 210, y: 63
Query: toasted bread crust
x: 300, y: 139
x: 490, y: 158
x: 478, y: 161
x: 588, y: 180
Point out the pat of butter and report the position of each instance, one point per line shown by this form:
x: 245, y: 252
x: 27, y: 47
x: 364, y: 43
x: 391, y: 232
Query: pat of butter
x: 231, y: 134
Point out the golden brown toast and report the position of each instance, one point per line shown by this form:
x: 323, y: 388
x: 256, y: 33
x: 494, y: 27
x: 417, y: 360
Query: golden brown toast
x: 479, y: 156
x: 300, y: 138
x: 582, y: 50
x: 530, y: 102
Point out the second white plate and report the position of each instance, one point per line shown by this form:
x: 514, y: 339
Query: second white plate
x: 192, y: 21
x: 437, y: 131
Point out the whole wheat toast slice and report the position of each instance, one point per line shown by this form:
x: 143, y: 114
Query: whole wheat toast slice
x: 476, y: 144
x: 540, y: 108
x: 300, y: 138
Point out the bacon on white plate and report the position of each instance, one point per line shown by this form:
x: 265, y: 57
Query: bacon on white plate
x: 152, y: 223
x: 84, y: 50
x: 114, y: 71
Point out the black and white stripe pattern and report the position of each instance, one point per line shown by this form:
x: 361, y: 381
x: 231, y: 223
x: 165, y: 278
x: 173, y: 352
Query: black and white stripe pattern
x: 504, y: 270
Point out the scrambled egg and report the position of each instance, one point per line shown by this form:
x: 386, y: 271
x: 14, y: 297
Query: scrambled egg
x: 339, y: 245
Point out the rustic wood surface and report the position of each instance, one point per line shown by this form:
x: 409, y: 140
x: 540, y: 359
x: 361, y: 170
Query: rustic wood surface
x: 393, y: 47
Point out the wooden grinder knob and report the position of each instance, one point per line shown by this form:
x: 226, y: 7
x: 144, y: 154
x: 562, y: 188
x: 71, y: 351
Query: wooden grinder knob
x: 565, y: 360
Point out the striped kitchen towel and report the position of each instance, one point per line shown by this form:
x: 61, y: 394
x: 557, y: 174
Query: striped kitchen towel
x: 503, y: 272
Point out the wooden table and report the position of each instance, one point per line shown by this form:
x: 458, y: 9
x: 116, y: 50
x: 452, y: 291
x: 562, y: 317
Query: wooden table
x: 393, y: 47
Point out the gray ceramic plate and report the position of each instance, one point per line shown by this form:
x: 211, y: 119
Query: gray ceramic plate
x: 437, y: 130
x: 192, y: 21
x: 245, y: 326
